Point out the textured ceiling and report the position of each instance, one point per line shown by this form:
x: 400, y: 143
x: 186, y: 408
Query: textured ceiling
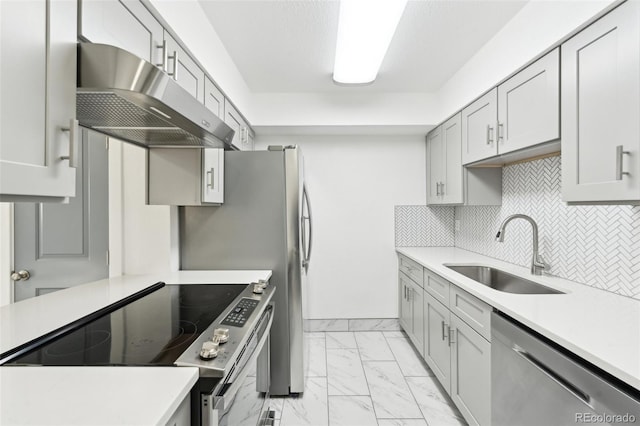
x: 289, y: 45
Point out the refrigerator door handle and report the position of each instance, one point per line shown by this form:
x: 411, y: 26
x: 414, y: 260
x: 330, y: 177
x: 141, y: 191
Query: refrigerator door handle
x: 306, y: 245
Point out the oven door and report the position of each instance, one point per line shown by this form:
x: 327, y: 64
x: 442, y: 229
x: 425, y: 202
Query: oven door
x: 236, y: 400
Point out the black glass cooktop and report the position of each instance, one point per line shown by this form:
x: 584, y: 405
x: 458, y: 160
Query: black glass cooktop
x: 153, y: 330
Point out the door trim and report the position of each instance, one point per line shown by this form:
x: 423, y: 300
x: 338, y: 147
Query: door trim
x: 6, y: 253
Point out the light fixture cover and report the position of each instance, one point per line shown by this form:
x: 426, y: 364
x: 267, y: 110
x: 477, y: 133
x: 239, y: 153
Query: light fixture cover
x: 365, y: 29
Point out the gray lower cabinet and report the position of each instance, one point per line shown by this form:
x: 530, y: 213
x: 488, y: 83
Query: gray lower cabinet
x: 470, y: 372
x: 182, y: 415
x: 455, y: 340
x: 404, y: 306
x: 436, y: 340
x: 411, y: 310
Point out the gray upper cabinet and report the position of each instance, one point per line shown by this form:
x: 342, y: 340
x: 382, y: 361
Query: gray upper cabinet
x: 233, y: 118
x: 479, y: 128
x: 184, y: 70
x: 126, y: 24
x: 185, y: 177
x: 520, y: 113
x: 251, y: 139
x: 601, y: 110
x: 39, y: 137
x: 448, y: 182
x: 529, y: 105
x: 444, y: 164
x: 213, y: 98
x: 435, y: 165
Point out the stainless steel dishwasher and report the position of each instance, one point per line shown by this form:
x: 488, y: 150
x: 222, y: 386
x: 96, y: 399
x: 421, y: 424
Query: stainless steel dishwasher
x: 535, y: 383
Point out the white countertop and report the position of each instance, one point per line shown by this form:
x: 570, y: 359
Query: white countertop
x: 92, y: 395
x: 599, y: 326
x: 29, y: 319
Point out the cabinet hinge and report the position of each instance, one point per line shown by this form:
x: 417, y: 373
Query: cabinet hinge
x: 107, y: 257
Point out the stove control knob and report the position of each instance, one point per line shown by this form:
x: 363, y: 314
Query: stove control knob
x: 209, y: 350
x: 258, y: 289
x: 263, y: 283
x: 222, y: 334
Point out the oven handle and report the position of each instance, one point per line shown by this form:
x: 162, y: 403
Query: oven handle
x: 223, y: 402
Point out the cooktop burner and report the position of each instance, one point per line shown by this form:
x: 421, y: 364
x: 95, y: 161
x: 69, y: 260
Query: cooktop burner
x: 153, y: 330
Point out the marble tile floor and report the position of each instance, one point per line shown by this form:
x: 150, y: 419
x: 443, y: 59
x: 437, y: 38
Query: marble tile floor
x: 366, y: 378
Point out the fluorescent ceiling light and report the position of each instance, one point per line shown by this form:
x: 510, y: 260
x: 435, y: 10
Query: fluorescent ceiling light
x: 365, y: 29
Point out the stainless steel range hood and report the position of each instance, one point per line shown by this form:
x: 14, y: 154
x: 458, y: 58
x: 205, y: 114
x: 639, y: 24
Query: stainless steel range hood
x: 124, y: 96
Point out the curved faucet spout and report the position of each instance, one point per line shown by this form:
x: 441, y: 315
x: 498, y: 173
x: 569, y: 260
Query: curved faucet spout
x: 537, y: 263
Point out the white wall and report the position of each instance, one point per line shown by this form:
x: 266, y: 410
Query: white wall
x: 354, y: 183
x: 351, y: 108
x: 539, y: 25
x: 141, y: 239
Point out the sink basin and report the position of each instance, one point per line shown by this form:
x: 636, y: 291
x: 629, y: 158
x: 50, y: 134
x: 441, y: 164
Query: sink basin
x: 501, y: 280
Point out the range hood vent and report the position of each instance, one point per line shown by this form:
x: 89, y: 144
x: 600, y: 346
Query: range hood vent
x: 124, y: 96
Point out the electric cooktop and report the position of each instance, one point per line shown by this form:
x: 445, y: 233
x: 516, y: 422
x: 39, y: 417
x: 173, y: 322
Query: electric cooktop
x: 152, y: 330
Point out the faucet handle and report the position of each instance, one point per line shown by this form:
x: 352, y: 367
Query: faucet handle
x: 540, y: 265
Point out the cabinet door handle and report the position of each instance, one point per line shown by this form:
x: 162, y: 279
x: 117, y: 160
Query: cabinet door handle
x: 452, y: 334
x: 165, y: 55
x: 73, y: 143
x: 174, y: 72
x: 443, y: 326
x: 210, y: 178
x: 489, y: 134
x: 500, y: 132
x: 441, y: 188
x: 620, y: 152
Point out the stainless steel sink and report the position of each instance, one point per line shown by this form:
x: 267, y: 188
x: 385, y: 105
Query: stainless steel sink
x: 501, y: 280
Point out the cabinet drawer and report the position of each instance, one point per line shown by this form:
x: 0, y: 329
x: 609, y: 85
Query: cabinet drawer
x: 413, y: 269
x: 437, y: 287
x: 471, y: 310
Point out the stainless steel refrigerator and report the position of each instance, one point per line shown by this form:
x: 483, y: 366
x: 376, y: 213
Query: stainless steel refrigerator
x: 264, y: 223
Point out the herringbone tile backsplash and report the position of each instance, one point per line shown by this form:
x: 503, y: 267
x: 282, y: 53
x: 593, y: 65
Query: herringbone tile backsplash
x: 422, y: 226
x: 595, y: 245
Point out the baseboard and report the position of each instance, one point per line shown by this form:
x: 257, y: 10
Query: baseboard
x: 352, y: 324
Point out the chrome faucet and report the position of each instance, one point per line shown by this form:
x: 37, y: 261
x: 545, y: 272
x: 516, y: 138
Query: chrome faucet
x: 537, y: 262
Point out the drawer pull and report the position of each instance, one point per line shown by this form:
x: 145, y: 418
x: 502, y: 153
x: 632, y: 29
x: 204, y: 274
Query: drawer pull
x: 620, y: 152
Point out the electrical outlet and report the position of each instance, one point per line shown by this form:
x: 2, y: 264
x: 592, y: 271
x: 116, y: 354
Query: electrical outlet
x: 457, y: 225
